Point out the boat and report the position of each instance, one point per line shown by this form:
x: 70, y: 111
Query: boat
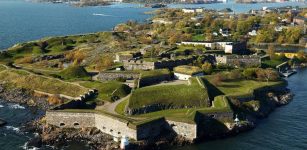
x: 288, y: 73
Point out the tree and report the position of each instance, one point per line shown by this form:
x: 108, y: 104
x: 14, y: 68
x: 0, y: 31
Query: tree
x: 266, y: 35
x: 218, y: 79
x: 105, y: 62
x: 207, y: 67
x: 267, y: 74
x: 293, y: 34
x: 271, y: 51
x: 301, y: 55
x: 249, y: 73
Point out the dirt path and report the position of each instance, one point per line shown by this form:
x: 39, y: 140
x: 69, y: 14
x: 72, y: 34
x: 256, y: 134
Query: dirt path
x: 110, y: 107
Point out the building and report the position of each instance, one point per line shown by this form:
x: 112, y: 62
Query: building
x: 228, y: 47
x: 186, y: 72
x: 239, y: 60
x: 299, y: 20
x: 236, y: 48
x: 252, y: 33
x: 161, y: 21
x: 187, y: 10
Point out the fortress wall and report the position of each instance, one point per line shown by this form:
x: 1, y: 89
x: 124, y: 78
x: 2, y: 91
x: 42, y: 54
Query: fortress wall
x: 153, y: 80
x: 106, y: 76
x: 114, y: 127
x: 186, y: 130
x: 70, y: 119
x: 220, y: 115
x: 151, y: 129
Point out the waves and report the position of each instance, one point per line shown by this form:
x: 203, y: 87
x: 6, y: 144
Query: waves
x: 16, y: 106
x: 16, y: 129
x: 12, y: 106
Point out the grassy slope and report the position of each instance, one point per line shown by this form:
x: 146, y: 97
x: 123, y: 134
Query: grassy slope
x: 107, y: 88
x: 177, y: 95
x: 154, y: 73
x: 238, y: 87
x: 74, y: 72
x: 35, y: 82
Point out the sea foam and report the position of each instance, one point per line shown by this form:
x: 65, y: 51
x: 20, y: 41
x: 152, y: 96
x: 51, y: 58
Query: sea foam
x: 16, y: 106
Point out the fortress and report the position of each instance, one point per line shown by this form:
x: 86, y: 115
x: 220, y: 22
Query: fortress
x: 145, y: 65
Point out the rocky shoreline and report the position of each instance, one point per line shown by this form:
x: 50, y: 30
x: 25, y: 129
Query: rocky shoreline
x: 58, y: 137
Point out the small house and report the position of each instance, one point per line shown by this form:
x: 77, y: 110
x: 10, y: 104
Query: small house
x: 185, y: 72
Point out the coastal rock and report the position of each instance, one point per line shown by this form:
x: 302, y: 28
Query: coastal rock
x: 2, y: 122
x: 35, y: 142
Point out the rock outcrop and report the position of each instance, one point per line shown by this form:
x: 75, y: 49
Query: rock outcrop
x: 2, y: 122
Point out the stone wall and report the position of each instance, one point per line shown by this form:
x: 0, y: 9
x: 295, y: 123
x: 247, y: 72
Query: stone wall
x: 138, y: 65
x: 114, y: 127
x: 186, y: 130
x: 153, y: 80
x: 235, y: 60
x: 70, y: 119
x: 107, y: 76
x: 151, y: 129
x: 117, y: 127
x: 144, y: 65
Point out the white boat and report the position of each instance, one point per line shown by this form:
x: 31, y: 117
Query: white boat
x: 288, y: 73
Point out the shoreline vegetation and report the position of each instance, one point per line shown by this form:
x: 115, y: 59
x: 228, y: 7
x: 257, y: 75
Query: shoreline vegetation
x: 62, y: 74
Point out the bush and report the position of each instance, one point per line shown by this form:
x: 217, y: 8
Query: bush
x: 249, y: 73
x: 55, y: 100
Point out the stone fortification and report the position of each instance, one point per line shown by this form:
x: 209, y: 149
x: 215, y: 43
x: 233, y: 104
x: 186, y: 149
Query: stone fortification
x: 117, y: 127
x: 238, y: 60
x: 107, y: 76
x: 144, y: 65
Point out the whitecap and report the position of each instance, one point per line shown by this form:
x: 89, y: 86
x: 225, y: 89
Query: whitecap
x: 12, y: 128
x: 16, y: 106
x: 104, y: 15
x: 1, y: 106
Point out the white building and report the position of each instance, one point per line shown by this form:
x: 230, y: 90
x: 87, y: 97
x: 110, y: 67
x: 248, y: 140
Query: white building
x: 252, y: 33
x: 186, y: 72
x: 185, y: 10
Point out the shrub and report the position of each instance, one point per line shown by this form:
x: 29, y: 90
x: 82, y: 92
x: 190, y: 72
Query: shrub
x: 55, y: 100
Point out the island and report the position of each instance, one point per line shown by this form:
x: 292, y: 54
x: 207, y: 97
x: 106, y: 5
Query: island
x: 188, y: 76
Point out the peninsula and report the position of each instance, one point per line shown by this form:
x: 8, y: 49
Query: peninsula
x: 187, y: 76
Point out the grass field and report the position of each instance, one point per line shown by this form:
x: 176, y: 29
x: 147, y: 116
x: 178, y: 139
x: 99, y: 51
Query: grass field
x: 237, y: 87
x: 27, y: 80
x: 193, y: 95
x: 120, y: 108
x: 2, y: 68
x: 198, y: 37
x: 154, y: 73
x: 271, y: 63
x: 106, y: 89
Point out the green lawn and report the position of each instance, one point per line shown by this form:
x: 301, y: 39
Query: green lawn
x: 198, y: 37
x: 105, y: 89
x: 26, y: 80
x: 194, y: 95
x: 120, y: 108
x: 154, y: 73
x: 237, y: 87
x: 271, y: 63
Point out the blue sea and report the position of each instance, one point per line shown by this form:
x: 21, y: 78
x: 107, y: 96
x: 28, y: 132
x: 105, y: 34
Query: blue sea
x: 22, y: 21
